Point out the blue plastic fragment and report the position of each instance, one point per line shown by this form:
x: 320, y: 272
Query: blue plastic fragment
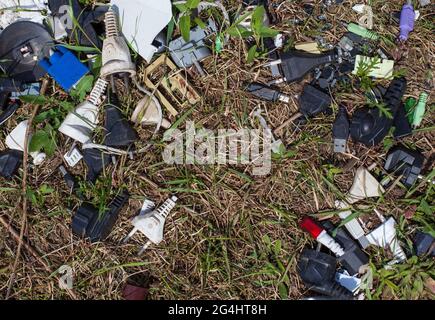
x: 64, y: 67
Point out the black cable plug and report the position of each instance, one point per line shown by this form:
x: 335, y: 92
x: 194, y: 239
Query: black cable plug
x: 295, y: 65
x: 264, y: 92
x: 340, y: 130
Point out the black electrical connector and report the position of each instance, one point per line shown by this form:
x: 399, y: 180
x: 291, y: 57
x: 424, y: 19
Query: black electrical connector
x: 313, y: 101
x: 118, y: 131
x: 95, y: 161
x: 402, y: 127
x: 370, y: 125
x: 354, y: 258
x: 405, y: 162
x: 340, y: 130
x: 424, y: 244
x: 10, y: 161
x: 264, y: 92
x: 317, y: 270
x: 89, y: 223
x: 295, y: 65
x: 70, y: 181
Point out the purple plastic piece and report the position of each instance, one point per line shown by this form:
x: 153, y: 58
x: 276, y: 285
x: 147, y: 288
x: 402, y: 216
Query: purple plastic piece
x: 407, y: 21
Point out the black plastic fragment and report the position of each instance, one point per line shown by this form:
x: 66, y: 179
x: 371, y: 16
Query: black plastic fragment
x: 119, y: 132
x: 424, y: 244
x: 10, y: 161
x: 405, y: 162
x: 313, y: 101
x: 89, y: 223
x: 95, y: 161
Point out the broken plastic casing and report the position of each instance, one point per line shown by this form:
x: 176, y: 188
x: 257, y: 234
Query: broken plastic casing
x: 406, y: 163
x: 185, y: 54
x: 15, y: 141
x: 80, y: 123
x: 313, y: 101
x: 141, y: 21
x: 116, y: 58
x: 364, y: 186
x: 89, y: 223
x: 95, y: 161
x: 64, y: 67
x: 86, y: 34
x: 295, y: 65
x: 10, y: 161
x: 354, y: 259
x: 169, y: 85
x: 22, y: 45
x: 369, y: 125
x: 424, y: 244
x: 118, y: 131
x: 317, y: 270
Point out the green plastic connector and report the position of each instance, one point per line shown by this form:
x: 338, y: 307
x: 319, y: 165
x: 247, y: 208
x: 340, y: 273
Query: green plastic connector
x: 363, y: 32
x: 420, y: 109
x: 410, y: 104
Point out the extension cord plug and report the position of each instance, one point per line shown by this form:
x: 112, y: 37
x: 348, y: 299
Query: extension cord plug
x: 116, y: 58
x: 152, y: 222
x: 80, y: 123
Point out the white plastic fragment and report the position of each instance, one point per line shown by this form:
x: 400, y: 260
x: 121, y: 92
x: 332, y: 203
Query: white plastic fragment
x: 141, y: 21
x: 383, y: 70
x: 15, y: 141
x: 14, y: 10
x: 73, y: 157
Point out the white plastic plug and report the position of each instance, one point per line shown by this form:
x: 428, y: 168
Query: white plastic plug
x: 116, y: 58
x: 385, y: 235
x: 80, y: 123
x: 151, y: 222
x: 15, y: 141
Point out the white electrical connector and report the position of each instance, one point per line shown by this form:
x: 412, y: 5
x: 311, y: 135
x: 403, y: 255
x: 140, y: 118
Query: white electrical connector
x: 151, y: 222
x: 116, y: 58
x: 80, y: 123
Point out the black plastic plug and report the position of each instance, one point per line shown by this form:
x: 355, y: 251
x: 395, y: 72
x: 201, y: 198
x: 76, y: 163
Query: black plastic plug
x: 402, y: 127
x: 264, y: 92
x: 10, y: 160
x: 313, y: 101
x: 424, y: 244
x: 295, y: 65
x: 317, y: 270
x: 405, y: 162
x: 70, y: 181
x: 88, y: 223
x: 340, y: 130
x: 369, y: 125
x: 95, y: 161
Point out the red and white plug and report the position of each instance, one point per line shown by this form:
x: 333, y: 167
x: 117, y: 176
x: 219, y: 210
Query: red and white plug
x: 321, y: 236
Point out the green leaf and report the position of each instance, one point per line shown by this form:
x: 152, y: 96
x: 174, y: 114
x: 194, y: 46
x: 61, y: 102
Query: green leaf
x: 258, y: 18
x: 283, y: 292
x: 35, y: 100
x: 44, y: 189
x: 200, y: 23
x: 185, y: 27
x: 83, y: 87
x: 239, y: 31
x: 252, y: 54
x: 267, y: 32
x: 192, y: 4
x: 39, y: 140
